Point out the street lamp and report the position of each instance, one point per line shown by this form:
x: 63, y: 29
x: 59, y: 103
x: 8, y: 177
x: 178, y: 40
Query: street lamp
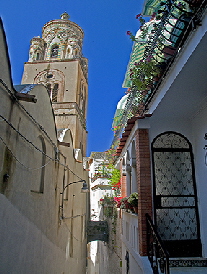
x: 84, y: 189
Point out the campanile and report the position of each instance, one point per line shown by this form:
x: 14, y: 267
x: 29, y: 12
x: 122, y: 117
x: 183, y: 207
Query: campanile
x: 56, y: 61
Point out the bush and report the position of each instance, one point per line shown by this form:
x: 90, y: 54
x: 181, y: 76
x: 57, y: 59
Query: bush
x: 133, y: 199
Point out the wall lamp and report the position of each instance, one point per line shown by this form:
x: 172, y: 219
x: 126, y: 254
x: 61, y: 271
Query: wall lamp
x: 84, y: 189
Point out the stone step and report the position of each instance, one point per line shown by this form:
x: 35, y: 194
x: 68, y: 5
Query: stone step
x: 188, y: 262
x: 188, y: 265
x: 189, y: 270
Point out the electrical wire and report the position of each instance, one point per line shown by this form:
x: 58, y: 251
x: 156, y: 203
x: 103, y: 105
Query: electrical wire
x: 28, y: 168
x: 24, y: 138
x: 72, y: 217
x: 30, y: 142
x: 33, y: 119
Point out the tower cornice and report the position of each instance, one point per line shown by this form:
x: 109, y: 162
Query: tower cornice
x: 62, y: 23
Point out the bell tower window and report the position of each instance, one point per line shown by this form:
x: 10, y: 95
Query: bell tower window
x: 76, y: 52
x: 48, y: 86
x: 54, y: 51
x: 53, y: 80
x: 55, y: 93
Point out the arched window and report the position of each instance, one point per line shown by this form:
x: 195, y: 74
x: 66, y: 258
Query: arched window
x: 76, y: 52
x: 68, y: 53
x: 54, y: 51
x: 53, y: 80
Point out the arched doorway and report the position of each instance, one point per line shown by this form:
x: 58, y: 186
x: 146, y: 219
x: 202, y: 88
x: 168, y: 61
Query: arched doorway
x: 175, y: 196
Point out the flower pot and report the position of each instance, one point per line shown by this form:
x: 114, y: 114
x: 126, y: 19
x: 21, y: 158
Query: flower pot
x: 169, y: 51
x: 136, y: 209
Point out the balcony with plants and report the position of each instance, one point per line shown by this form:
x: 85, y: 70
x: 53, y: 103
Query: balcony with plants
x: 156, y: 45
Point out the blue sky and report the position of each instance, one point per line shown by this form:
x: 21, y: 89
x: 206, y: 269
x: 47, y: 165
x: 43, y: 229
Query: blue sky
x: 106, y: 46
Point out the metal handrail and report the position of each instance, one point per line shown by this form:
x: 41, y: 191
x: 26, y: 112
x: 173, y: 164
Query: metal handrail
x: 156, y: 251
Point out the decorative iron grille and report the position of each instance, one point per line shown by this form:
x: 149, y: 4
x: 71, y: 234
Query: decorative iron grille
x: 175, y: 198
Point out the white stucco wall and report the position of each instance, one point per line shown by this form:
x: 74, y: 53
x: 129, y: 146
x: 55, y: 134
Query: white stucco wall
x: 130, y: 242
x: 199, y: 129
x: 24, y: 248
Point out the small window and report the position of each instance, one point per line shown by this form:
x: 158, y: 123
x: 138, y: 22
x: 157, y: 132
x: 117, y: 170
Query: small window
x: 54, y: 51
x: 48, y: 87
x: 38, y: 56
x: 68, y: 52
x: 55, y: 93
x: 49, y: 76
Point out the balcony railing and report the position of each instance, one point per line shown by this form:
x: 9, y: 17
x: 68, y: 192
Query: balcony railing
x: 162, y: 44
x: 157, y: 254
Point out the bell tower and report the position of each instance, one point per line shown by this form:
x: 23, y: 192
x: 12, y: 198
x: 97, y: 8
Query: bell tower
x: 56, y: 61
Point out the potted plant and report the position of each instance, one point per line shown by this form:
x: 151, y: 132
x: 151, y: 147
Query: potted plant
x: 125, y: 204
x: 118, y: 201
x: 133, y: 200
x: 143, y: 72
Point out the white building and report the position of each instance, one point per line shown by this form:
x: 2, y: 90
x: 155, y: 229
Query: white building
x: 165, y: 143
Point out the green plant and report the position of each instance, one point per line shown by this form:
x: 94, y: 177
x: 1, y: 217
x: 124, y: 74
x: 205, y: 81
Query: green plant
x: 108, y: 212
x: 133, y: 199
x: 143, y: 72
x: 125, y: 204
x: 144, y: 28
x: 111, y: 153
x: 107, y: 200
x: 117, y: 122
x: 115, y: 177
x: 109, y: 209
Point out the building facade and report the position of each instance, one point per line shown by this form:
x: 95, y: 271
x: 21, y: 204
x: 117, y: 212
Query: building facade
x: 162, y: 150
x: 43, y: 212
x: 56, y: 61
